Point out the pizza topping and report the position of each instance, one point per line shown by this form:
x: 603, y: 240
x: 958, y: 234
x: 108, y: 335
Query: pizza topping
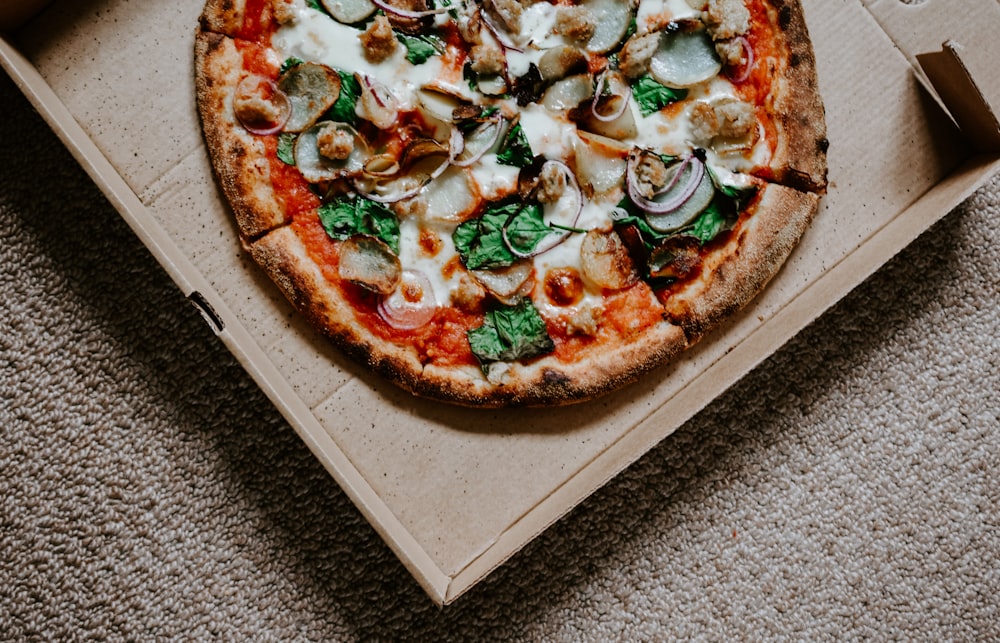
x: 652, y: 96
x: 611, y: 98
x: 378, y: 40
x: 686, y: 57
x: 349, y: 12
x: 330, y: 150
x: 675, y: 257
x: 377, y: 104
x: 469, y: 148
x: 368, y: 262
x: 728, y: 118
x: 411, y: 304
x: 568, y: 93
x: 737, y: 55
x: 605, y: 261
x: 727, y: 18
x: 347, y: 216
x: 312, y: 89
x: 575, y: 22
x: 507, y: 284
x: 563, y: 286
x: 335, y: 143
x: 509, y: 334
x: 612, y: 19
x: 670, y: 196
x: 561, y: 61
x: 402, y: 12
x: 633, y: 60
x: 260, y: 106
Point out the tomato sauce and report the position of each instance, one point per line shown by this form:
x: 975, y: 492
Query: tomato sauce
x: 254, y: 20
x: 442, y: 341
x: 770, y: 54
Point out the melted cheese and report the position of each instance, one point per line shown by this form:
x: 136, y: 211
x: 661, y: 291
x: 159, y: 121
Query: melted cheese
x: 314, y: 36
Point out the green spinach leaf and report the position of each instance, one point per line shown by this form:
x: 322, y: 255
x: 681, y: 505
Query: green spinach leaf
x: 510, y: 333
x: 346, y: 216
x: 652, y: 96
x: 420, y: 48
x: 480, y: 241
x: 515, y: 149
x: 286, y: 147
x: 350, y: 92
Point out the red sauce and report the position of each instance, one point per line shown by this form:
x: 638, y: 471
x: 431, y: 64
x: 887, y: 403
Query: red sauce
x: 254, y: 20
x: 442, y: 342
x: 626, y: 314
x: 770, y: 54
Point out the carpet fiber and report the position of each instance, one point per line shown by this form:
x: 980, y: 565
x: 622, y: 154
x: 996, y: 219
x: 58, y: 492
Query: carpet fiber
x: 847, y: 488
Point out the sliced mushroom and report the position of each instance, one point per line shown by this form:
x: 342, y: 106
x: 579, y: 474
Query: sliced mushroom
x: 605, y: 261
x: 507, y: 284
x: 312, y: 88
x: 368, y: 262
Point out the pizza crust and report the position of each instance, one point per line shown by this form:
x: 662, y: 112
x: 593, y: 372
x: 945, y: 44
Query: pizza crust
x: 734, y: 274
x: 599, y: 369
x: 240, y: 159
x: 796, y: 107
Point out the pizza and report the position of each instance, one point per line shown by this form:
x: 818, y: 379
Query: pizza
x: 513, y: 202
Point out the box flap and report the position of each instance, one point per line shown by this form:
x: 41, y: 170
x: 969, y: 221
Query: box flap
x: 953, y: 57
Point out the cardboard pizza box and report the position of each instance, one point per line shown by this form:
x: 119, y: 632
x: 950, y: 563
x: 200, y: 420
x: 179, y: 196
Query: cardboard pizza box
x: 456, y: 492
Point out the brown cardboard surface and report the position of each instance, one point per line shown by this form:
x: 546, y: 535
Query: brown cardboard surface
x: 955, y: 57
x: 457, y: 491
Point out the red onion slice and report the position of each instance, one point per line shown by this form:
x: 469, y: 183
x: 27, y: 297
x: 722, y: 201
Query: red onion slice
x: 748, y: 65
x: 405, y: 193
x: 407, y: 13
x: 623, y: 92
x: 379, y: 104
x: 257, y: 88
x: 480, y: 141
x: 676, y: 194
x: 412, y: 304
x: 501, y: 35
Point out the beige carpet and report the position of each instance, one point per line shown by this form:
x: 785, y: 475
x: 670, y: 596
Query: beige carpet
x: 848, y: 488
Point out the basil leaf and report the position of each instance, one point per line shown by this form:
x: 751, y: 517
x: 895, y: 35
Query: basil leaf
x: 713, y: 220
x: 286, y: 148
x: 350, y: 92
x: 510, y: 333
x: 345, y: 217
x: 652, y: 96
x: 480, y: 241
x: 420, y: 48
x: 527, y: 229
x: 515, y: 150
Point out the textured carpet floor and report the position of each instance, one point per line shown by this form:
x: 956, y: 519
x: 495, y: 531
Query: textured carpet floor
x: 847, y: 488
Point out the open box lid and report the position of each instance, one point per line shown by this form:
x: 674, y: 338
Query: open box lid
x: 452, y: 510
x: 954, y: 57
